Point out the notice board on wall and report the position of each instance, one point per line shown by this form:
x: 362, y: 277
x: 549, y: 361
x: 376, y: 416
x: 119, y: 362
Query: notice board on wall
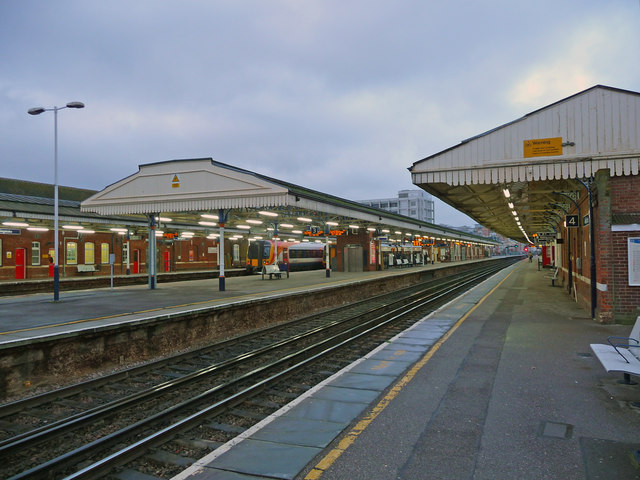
x: 633, y: 254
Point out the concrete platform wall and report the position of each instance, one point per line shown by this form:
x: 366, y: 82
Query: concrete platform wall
x: 65, y: 358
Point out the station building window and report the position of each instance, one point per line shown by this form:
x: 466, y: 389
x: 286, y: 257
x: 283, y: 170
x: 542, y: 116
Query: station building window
x: 89, y: 253
x: 104, y: 253
x: 35, y: 253
x: 72, y: 253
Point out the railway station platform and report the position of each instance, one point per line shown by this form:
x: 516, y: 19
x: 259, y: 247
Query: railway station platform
x: 26, y: 317
x: 498, y: 384
x: 43, y: 342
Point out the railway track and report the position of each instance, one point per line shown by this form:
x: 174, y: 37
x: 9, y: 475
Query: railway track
x: 159, y: 418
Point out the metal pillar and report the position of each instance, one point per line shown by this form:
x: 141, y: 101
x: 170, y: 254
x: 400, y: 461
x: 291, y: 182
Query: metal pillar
x: 592, y: 244
x: 569, y: 238
x: 152, y: 252
x: 326, y: 247
x: 223, y: 216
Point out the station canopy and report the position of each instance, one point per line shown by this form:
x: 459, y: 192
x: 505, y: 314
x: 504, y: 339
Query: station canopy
x: 191, y: 194
x: 520, y: 178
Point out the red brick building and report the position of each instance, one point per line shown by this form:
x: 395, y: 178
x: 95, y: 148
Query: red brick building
x: 532, y: 180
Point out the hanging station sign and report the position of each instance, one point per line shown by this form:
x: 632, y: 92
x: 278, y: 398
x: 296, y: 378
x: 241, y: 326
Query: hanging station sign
x: 572, y: 221
x: 318, y: 232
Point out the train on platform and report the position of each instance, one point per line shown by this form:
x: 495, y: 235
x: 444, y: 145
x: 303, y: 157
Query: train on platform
x: 292, y: 256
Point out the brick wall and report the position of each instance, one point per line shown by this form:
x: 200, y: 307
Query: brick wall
x: 625, y: 198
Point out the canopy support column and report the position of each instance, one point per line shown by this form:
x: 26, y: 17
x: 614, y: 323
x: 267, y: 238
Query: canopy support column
x: 327, y: 251
x: 223, y: 216
x: 592, y: 247
x: 152, y: 252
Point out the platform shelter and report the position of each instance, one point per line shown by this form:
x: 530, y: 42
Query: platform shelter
x: 213, y: 199
x: 565, y: 178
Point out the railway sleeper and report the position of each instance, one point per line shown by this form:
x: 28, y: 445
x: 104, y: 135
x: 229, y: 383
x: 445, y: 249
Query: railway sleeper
x: 198, y: 443
x: 225, y: 427
x: 264, y: 403
x: 129, y: 474
x: 282, y: 393
x: 182, y: 368
x: 169, y: 458
x: 248, y: 414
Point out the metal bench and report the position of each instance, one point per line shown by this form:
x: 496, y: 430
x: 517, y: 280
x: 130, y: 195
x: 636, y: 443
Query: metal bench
x: 271, y: 270
x: 87, y: 268
x: 622, y: 354
x: 553, y: 276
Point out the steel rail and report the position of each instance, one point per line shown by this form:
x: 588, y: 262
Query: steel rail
x: 133, y: 451
x: 308, y: 354
x: 80, y: 387
x: 32, y: 437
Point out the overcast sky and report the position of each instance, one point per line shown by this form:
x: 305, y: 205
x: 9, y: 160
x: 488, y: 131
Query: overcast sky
x: 336, y: 95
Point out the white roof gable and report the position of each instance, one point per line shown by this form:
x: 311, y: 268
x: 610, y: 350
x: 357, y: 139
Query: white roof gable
x: 599, y: 128
x: 182, y: 186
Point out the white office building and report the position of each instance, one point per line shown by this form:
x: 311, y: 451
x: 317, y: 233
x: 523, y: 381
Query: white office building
x: 416, y: 204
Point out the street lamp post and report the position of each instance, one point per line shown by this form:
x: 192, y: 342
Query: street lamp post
x: 38, y: 111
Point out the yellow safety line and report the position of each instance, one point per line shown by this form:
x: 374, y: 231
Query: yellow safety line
x: 352, y: 436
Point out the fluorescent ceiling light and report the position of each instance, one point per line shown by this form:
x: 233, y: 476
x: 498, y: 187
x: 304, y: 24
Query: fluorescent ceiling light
x: 15, y: 224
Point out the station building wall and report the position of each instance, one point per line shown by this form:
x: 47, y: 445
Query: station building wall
x: 94, y: 249
x: 619, y: 208
x: 616, y: 205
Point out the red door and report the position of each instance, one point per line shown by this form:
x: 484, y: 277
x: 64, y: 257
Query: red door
x: 136, y: 261
x: 21, y: 263
x: 167, y: 263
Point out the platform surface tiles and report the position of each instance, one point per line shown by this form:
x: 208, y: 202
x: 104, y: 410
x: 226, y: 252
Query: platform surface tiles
x: 498, y: 384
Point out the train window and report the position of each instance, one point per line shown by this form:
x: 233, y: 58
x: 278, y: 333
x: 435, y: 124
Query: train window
x: 89, y: 253
x: 35, y: 253
x: 236, y: 252
x: 72, y: 253
x: 1, y: 252
x: 104, y: 253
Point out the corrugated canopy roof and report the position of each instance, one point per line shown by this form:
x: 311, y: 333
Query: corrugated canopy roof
x: 186, y: 188
x: 534, y: 157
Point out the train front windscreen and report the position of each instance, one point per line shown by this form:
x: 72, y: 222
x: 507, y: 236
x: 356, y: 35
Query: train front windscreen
x: 258, y: 251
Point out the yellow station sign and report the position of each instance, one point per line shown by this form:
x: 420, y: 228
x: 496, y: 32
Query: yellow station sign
x: 542, y: 147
